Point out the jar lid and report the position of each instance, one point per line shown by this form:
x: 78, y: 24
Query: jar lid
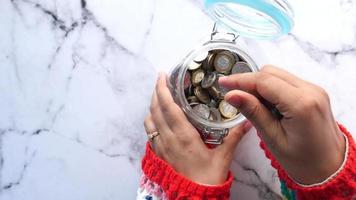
x: 263, y: 19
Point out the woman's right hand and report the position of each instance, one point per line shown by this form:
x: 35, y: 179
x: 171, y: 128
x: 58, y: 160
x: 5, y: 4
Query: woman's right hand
x: 306, y: 141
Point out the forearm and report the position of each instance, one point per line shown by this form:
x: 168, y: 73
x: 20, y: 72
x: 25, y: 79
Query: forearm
x: 341, y: 185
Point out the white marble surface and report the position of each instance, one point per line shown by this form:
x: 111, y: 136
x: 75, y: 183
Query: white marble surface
x: 76, y: 79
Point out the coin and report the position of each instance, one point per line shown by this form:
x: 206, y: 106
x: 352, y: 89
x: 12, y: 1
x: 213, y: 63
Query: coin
x: 189, y: 91
x: 224, y: 61
x: 214, y: 92
x: 187, y: 78
x: 208, y: 63
x: 213, y: 104
x: 240, y: 67
x: 215, y: 115
x: 192, y: 99
x: 202, y: 110
x: 197, y: 76
x: 227, y: 110
x: 201, y: 56
x: 193, y: 65
x: 236, y: 56
x: 201, y: 94
x: 209, y: 80
x: 193, y: 104
x: 223, y: 90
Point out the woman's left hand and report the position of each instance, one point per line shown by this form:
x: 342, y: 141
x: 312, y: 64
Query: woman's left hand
x: 179, y: 143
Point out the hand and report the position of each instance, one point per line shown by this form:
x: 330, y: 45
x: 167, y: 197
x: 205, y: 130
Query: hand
x: 179, y: 143
x: 306, y: 141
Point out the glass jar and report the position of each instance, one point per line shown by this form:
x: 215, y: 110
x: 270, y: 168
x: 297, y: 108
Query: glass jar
x: 261, y: 19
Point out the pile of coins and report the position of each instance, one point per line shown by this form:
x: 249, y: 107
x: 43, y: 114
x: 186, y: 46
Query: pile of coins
x: 201, y: 87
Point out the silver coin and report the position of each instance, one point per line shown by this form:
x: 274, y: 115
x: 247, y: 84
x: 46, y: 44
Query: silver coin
x: 236, y: 56
x: 203, y: 110
x: 201, y: 56
x: 213, y: 104
x: 223, y: 90
x: 193, y: 65
x: 240, y: 67
x: 215, y: 115
x: 224, y: 61
x: 227, y: 110
x: 208, y: 80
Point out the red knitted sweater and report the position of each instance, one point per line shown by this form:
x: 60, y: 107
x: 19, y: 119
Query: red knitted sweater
x: 176, y: 186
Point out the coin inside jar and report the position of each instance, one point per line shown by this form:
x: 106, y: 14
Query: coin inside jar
x: 240, y: 67
x: 214, y: 92
x: 198, y: 76
x: 223, y: 62
x: 189, y: 91
x: 215, y: 115
x: 209, y: 80
x: 202, y: 110
x: 223, y: 90
x: 202, y: 95
x: 201, y: 56
x: 193, y: 65
x: 192, y: 99
x: 208, y: 63
x: 227, y: 110
x: 213, y: 104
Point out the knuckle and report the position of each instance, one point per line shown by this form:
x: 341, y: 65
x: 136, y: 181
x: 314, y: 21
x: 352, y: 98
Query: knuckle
x: 251, y: 111
x: 166, y: 107
x: 314, y: 99
x: 263, y: 78
x: 267, y: 68
x: 308, y: 104
x: 153, y: 107
x: 324, y: 94
x: 185, y: 140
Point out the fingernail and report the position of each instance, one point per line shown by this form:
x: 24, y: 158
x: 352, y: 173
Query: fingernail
x: 222, y: 79
x: 247, y: 126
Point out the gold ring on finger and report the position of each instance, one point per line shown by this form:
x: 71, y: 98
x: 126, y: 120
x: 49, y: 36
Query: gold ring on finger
x: 151, y: 136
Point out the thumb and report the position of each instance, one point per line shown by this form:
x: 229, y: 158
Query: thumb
x: 233, y: 138
x: 257, y: 113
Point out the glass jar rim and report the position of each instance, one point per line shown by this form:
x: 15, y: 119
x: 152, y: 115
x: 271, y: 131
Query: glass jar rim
x: 261, y: 19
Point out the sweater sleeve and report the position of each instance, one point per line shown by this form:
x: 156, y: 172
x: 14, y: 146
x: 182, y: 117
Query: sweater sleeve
x: 341, y: 186
x: 161, y: 181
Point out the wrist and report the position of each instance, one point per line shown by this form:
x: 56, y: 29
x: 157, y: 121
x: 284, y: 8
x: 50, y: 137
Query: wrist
x: 210, y: 176
x: 335, y: 163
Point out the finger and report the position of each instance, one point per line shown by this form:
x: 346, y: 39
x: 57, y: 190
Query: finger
x: 269, y: 87
x: 157, y: 117
x: 245, y: 81
x: 233, y: 138
x: 284, y: 75
x: 257, y: 113
x: 171, y: 112
x: 151, y: 128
